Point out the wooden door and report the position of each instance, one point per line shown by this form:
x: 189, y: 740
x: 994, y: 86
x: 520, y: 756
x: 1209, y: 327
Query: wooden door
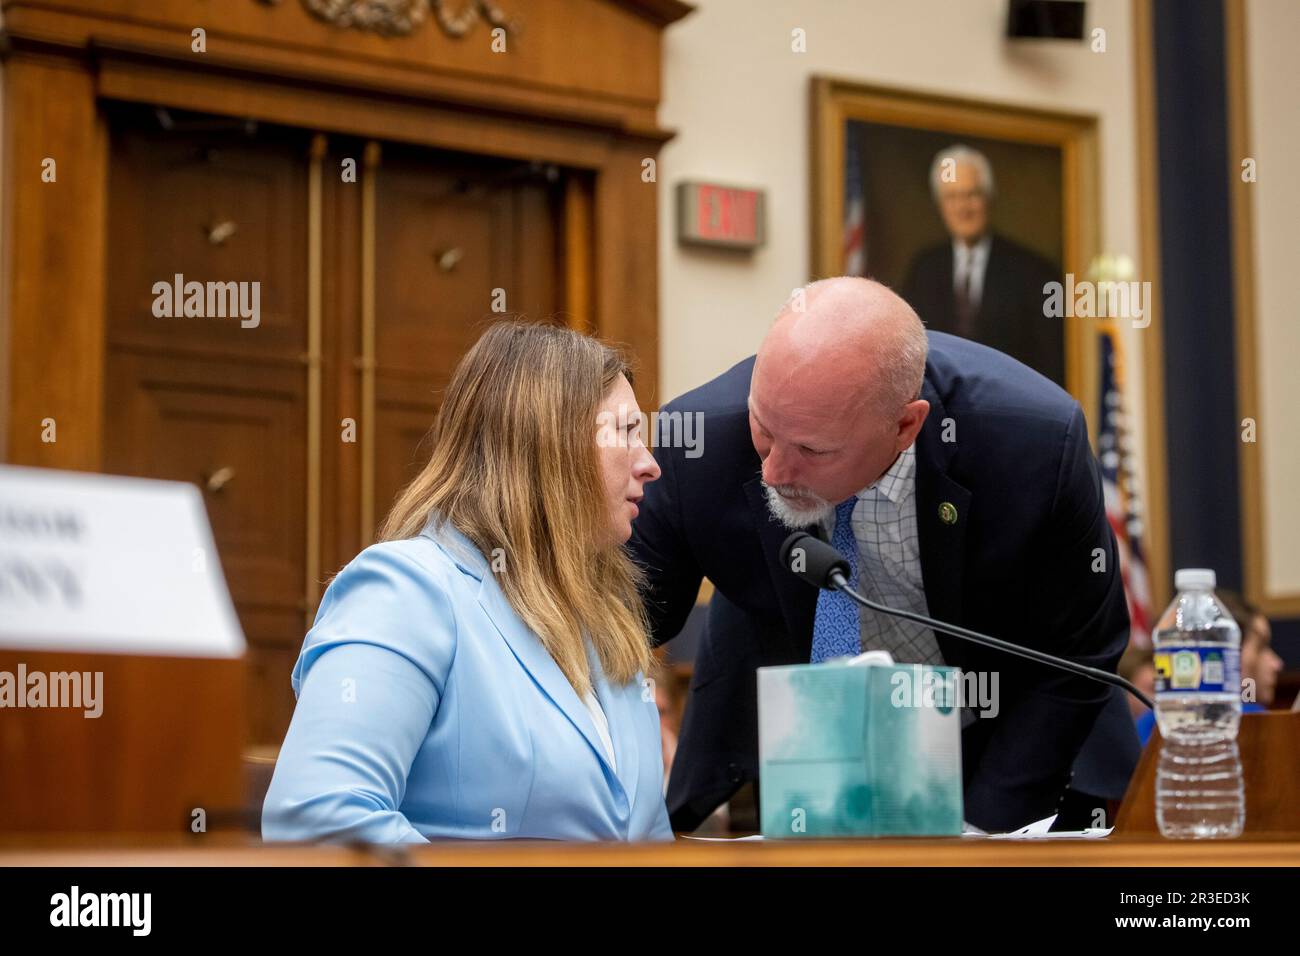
x: 461, y: 242
x: 411, y: 253
x: 212, y: 400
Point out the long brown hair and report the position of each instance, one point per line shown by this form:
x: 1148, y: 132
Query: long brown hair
x: 515, y: 466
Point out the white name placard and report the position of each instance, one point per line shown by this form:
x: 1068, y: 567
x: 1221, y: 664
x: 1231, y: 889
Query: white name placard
x: 110, y: 565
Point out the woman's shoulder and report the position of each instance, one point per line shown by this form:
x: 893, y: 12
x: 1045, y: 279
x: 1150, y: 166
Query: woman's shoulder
x: 399, y: 595
x: 417, y: 562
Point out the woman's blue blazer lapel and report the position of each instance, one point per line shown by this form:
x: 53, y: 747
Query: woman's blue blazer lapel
x: 539, y: 664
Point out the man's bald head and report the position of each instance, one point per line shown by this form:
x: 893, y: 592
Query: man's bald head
x: 835, y: 394
x: 850, y: 338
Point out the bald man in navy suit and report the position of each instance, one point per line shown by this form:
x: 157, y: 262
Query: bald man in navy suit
x: 973, y: 497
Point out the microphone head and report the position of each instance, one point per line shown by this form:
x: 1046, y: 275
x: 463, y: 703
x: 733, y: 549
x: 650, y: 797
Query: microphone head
x: 812, y: 560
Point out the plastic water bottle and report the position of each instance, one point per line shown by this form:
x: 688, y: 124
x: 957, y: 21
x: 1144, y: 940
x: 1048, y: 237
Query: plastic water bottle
x: 1199, y: 790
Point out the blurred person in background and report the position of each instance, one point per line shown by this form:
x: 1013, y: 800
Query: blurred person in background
x: 1138, y: 667
x: 668, y: 699
x: 1259, y: 662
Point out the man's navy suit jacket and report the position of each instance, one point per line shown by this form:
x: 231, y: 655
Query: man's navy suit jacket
x: 1031, y: 559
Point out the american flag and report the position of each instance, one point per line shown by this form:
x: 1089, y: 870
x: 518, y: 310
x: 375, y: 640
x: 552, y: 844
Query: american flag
x: 855, y: 225
x: 1119, y: 482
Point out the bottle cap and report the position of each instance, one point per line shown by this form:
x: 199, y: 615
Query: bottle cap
x: 1191, y: 579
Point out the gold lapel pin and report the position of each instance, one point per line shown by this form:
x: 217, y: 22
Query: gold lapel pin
x: 948, y: 513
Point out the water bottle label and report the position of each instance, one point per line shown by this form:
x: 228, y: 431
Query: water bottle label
x: 1211, y: 670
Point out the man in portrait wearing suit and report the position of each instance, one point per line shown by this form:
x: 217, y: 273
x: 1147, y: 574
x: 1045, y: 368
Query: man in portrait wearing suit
x: 963, y: 484
x: 978, y: 284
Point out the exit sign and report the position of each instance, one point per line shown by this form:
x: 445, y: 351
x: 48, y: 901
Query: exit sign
x: 712, y: 215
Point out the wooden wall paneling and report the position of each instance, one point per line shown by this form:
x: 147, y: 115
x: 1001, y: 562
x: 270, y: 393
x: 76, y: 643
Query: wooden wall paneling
x: 578, y: 251
x: 183, y: 419
x: 604, y: 152
x: 274, y: 636
x: 447, y: 236
x: 203, y: 394
x: 407, y: 404
x: 341, y: 462
x: 206, y: 400
x: 538, y: 270
x: 584, y: 245
x: 210, y: 201
x: 125, y: 76
x: 188, y: 419
x: 626, y: 260
x: 160, y: 749
x: 572, y: 58
x: 314, y: 360
x: 450, y: 230
x: 366, y: 360
x: 54, y: 235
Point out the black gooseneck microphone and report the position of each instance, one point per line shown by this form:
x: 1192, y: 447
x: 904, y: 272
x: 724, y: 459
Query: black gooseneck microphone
x: 824, y: 567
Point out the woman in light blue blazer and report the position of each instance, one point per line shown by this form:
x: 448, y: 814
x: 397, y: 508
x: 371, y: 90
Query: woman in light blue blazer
x: 480, y: 673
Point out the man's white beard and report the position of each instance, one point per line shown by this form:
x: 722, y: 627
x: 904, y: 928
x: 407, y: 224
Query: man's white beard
x: 818, y: 509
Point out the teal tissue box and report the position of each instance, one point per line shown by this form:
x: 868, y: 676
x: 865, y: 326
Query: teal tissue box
x: 859, y: 750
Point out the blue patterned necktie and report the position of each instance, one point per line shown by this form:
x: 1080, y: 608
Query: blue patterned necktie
x: 836, y: 630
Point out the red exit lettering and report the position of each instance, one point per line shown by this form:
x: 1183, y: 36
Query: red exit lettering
x: 726, y: 215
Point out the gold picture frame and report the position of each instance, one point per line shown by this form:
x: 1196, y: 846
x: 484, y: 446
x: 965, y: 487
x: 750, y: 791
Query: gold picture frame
x: 836, y: 102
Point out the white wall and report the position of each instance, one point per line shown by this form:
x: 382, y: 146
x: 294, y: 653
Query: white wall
x: 738, y: 98
x: 1272, y: 77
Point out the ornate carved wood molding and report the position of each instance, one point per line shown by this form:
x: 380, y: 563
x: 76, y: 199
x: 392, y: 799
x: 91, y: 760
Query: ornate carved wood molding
x: 402, y: 17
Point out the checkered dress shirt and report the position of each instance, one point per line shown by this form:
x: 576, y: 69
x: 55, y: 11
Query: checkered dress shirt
x: 889, y: 564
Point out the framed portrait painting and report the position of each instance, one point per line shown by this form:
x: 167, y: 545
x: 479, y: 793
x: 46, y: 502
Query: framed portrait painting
x: 967, y: 209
